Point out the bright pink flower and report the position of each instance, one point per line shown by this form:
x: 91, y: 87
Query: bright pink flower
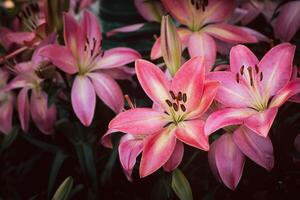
x: 253, y: 90
x: 83, y: 55
x: 27, y: 79
x: 179, y: 106
x: 227, y: 154
x: 205, y: 23
x: 6, y: 104
x: 151, y: 11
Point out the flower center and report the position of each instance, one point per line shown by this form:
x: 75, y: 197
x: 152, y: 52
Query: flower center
x: 177, y: 105
x: 200, y: 4
x: 29, y: 16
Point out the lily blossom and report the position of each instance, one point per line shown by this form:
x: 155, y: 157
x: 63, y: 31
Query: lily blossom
x: 82, y: 54
x: 28, y: 80
x: 228, y: 153
x: 253, y: 90
x: 205, y: 21
x: 179, y: 106
x: 6, y: 104
x: 151, y: 11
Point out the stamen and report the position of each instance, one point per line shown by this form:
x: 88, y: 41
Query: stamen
x: 250, y: 75
x: 87, y: 41
x: 182, y: 107
x: 175, y: 106
x: 172, y: 94
x: 261, y: 76
x: 242, y: 70
x: 256, y: 69
x: 169, y: 102
x: 179, y: 96
x: 127, y: 98
x: 184, y: 97
x: 237, y: 78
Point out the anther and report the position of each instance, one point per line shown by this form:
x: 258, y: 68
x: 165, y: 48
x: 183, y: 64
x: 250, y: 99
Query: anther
x: 242, y: 69
x: 172, y: 94
x: 184, y: 97
x: 261, y: 76
x: 237, y: 78
x: 179, y: 96
x: 256, y: 69
x: 250, y: 75
x: 175, y: 106
x: 169, y: 102
x: 182, y: 107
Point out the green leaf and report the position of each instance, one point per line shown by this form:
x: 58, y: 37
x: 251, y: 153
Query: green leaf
x: 57, y: 163
x: 181, y: 186
x: 63, y: 191
x: 9, y: 138
x: 106, y: 174
x: 43, y: 145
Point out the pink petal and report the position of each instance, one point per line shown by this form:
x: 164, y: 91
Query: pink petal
x: 241, y: 55
x: 253, y: 10
x: 21, y: 37
x: 201, y: 44
x: 106, y: 138
x: 6, y: 113
x: 150, y: 10
x: 108, y: 91
x: 139, y: 121
x: 125, y: 29
x: 158, y: 149
x: 129, y: 149
x: 230, y: 93
x: 227, y: 160
x: 120, y: 73
x: 276, y: 67
x: 192, y: 133
x: 261, y: 122
x: 175, y: 158
x: 226, y: 117
x: 288, y: 21
x: 189, y: 80
x: 153, y: 81
x: 229, y: 33
x: 117, y: 57
x: 208, y: 95
x: 61, y: 57
x: 259, y: 36
x: 92, y: 28
x: 291, y: 89
x: 43, y: 116
x: 23, y: 109
x: 5, y: 42
x: 257, y: 148
x: 83, y: 99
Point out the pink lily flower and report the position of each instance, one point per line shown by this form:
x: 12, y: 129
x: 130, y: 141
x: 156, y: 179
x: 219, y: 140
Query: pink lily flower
x: 205, y: 22
x: 179, y: 106
x: 82, y: 54
x: 28, y: 80
x: 228, y: 153
x: 6, y: 104
x: 253, y: 90
x: 151, y: 11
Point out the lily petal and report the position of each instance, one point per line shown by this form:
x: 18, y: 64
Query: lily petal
x: 125, y: 29
x: 61, y: 57
x: 108, y: 91
x: 192, y: 133
x: 257, y: 148
x: 150, y: 10
x: 153, y: 81
x: 21, y: 37
x: 117, y: 57
x: 23, y: 109
x: 179, y: 9
x: 175, y: 158
x: 229, y: 33
x: 6, y: 113
x: 129, y: 149
x: 202, y: 44
x: 291, y: 89
x: 158, y: 149
x: 262, y: 121
x: 276, y: 67
x: 229, y: 160
x: 83, y: 99
x: 241, y: 55
x: 189, y: 79
x: 139, y: 121
x: 288, y: 21
x: 226, y: 117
